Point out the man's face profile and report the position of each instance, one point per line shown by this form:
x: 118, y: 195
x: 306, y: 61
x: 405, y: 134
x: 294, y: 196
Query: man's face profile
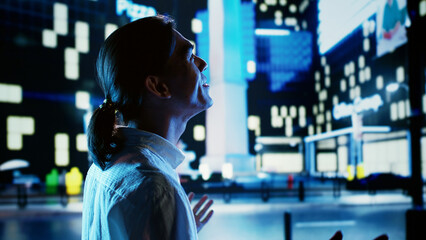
x: 188, y: 85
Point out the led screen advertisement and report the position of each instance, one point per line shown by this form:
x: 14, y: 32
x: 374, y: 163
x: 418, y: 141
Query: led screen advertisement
x: 391, y: 18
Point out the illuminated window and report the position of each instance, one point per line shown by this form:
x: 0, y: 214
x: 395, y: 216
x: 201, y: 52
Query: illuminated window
x: 82, y: 37
x: 60, y: 18
x: 379, y: 82
x: 366, y: 45
x: 424, y: 104
x: 271, y: 2
x: 327, y: 81
x: 328, y: 127
x: 283, y: 2
x: 62, y: 157
x: 284, y: 111
x: 361, y: 76
x: 394, y: 112
x: 10, y: 93
x: 274, y: 111
x: 292, y: 8
x: 253, y: 124
x: 319, y: 129
x: 14, y: 141
x: 311, y: 130
x: 289, y: 131
x: 199, y: 133
x: 400, y: 74
x: 49, y: 38
x: 343, y: 85
x: 278, y: 21
x: 17, y: 126
x: 365, y: 29
x: 290, y: 21
x: 71, y: 64
x: 317, y: 76
x: 361, y: 61
x: 302, y: 121
x: 352, y: 81
x: 293, y: 111
x: 401, y: 109
x: 327, y: 69
x: 347, y: 70
x: 277, y: 122
x: 302, y: 111
x: 335, y: 100
x: 278, y: 14
x: 315, y: 109
x: 196, y: 25
x: 328, y: 115
x: 251, y: 66
x: 326, y: 162
x: 321, y: 107
x: 422, y: 8
x: 282, y: 162
x: 317, y: 87
x: 82, y: 100
x: 352, y: 93
x: 351, y: 67
x: 81, y: 142
x: 109, y: 28
x: 263, y: 7
x: 357, y: 90
x: 367, y: 73
x: 320, y: 118
x: 407, y: 108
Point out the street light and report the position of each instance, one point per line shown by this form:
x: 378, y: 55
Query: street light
x: 393, y: 87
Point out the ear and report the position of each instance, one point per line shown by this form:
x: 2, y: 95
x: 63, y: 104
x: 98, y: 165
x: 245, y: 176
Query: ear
x: 158, y: 88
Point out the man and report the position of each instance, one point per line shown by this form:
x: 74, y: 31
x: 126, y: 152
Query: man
x: 153, y: 85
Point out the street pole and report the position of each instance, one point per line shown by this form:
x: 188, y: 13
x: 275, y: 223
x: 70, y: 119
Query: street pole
x: 416, y: 217
x: 416, y: 83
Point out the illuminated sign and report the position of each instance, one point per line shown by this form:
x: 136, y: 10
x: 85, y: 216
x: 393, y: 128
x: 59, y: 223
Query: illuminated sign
x: 133, y: 10
x: 359, y: 105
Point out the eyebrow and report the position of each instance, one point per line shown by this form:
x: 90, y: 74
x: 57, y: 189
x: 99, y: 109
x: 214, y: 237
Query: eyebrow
x: 187, y: 47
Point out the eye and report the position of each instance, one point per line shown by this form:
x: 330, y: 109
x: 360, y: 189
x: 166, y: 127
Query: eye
x: 192, y: 57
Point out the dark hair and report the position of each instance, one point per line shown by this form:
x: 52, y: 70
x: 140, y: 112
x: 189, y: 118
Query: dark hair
x: 130, y: 54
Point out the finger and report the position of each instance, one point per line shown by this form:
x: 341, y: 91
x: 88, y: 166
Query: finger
x: 199, y: 204
x: 337, y: 236
x: 204, y: 209
x: 382, y: 237
x: 207, y: 218
x: 191, y: 196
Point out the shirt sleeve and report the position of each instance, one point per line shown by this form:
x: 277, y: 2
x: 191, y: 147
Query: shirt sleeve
x: 161, y: 218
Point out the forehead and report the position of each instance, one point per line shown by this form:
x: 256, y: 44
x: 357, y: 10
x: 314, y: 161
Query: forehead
x: 182, y: 44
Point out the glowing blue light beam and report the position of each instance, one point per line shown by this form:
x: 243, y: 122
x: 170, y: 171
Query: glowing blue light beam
x: 349, y: 130
x: 271, y: 32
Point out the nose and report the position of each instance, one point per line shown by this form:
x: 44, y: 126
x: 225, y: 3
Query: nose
x: 202, y: 65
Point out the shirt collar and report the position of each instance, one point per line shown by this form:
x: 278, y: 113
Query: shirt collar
x: 161, y: 146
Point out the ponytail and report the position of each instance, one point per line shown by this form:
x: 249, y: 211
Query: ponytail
x: 100, y: 136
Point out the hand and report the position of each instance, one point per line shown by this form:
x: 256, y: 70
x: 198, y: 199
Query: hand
x: 200, y: 220
x: 337, y: 236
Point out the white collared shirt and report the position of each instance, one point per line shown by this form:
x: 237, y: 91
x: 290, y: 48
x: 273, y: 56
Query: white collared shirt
x: 138, y: 196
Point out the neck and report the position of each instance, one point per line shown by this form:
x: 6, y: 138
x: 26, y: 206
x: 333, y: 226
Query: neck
x: 168, y: 127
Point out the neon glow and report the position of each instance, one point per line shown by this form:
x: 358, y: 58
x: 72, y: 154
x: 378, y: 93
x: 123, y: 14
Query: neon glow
x: 133, y: 10
x: 271, y: 32
x: 359, y: 105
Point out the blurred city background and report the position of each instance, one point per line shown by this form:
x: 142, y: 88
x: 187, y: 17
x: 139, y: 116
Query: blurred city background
x: 317, y: 124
